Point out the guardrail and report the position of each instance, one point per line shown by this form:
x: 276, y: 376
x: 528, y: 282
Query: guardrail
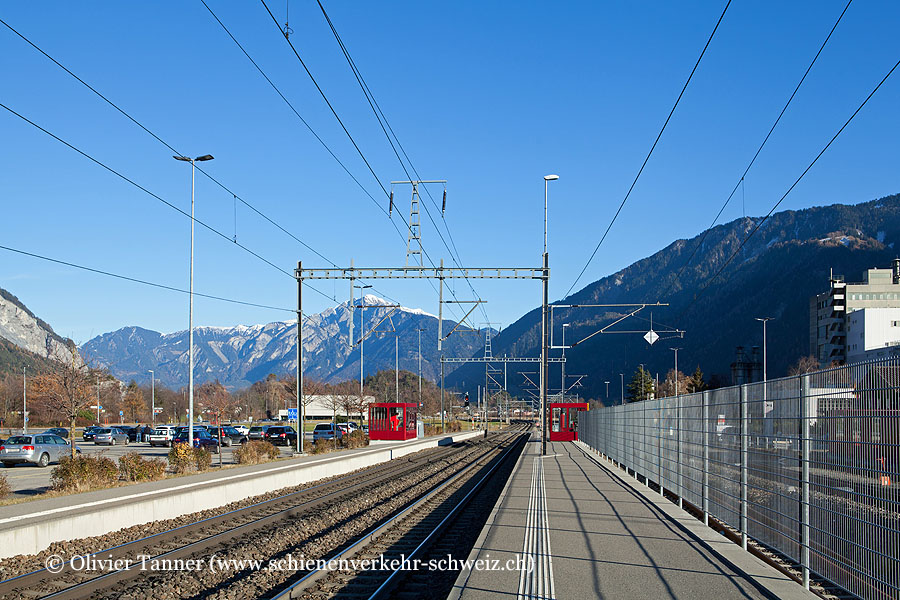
x: 805, y: 465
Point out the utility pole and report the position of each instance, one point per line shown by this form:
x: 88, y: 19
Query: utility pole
x: 622, y: 378
x: 301, y: 423
x: 25, y: 405
x: 152, y: 399
x: 397, y: 366
x: 544, y: 338
x: 420, y: 330
x: 98, y: 400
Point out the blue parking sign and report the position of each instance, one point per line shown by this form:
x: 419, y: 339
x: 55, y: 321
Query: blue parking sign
x: 292, y: 414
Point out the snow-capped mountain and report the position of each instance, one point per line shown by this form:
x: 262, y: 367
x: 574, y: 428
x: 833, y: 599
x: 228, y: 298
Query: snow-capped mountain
x: 238, y: 356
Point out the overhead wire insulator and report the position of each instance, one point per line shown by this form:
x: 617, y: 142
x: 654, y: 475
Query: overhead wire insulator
x: 444, y: 203
x: 391, y: 204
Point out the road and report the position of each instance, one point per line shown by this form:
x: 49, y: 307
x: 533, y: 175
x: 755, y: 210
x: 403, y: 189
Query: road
x: 30, y: 480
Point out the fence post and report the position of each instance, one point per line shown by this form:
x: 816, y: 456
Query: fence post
x: 659, y: 439
x: 678, y: 423
x: 804, y: 478
x: 706, y: 458
x: 745, y: 439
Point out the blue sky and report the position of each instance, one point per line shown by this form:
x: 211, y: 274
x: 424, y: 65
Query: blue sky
x: 487, y: 96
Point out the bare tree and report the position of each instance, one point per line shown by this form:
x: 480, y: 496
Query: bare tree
x: 804, y: 364
x: 66, y: 390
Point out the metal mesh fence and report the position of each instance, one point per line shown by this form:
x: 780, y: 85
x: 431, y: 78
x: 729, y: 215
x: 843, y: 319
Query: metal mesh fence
x: 806, y: 465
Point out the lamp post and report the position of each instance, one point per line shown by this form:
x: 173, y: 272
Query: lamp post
x: 152, y: 398
x: 766, y: 407
x: 362, y: 336
x: 205, y: 157
x: 25, y: 406
x: 607, y: 389
x: 544, y: 310
x: 622, y: 380
x: 420, y: 330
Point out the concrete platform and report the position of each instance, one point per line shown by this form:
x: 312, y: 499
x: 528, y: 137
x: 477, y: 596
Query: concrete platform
x: 589, y: 532
x: 30, y: 527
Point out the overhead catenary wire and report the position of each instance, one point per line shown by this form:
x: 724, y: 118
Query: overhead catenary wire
x: 143, y: 281
x: 154, y: 195
x: 740, y: 184
x: 346, y: 131
x: 650, y: 153
x: 785, y: 195
x: 234, y: 195
x: 386, y: 127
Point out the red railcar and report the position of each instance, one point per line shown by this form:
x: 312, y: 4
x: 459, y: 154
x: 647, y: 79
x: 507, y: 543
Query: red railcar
x: 392, y: 420
x: 564, y: 420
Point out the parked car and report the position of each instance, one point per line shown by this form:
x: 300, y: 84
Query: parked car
x: 41, y: 449
x: 88, y: 434
x: 133, y: 433
x: 202, y: 439
x: 258, y: 432
x: 242, y: 429
x: 281, y: 435
x: 162, y: 435
x: 110, y: 436
x: 60, y: 431
x: 326, y: 431
x: 230, y: 435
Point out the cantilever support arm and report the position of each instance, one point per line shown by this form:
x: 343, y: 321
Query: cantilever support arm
x: 394, y: 309
x: 603, y: 329
x: 463, y: 320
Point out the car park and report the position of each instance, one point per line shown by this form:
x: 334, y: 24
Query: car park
x: 202, y: 439
x: 40, y: 449
x: 258, y: 432
x: 281, y: 435
x: 230, y: 435
x: 162, y: 435
x: 110, y: 436
x: 60, y: 431
x: 326, y: 431
x: 88, y: 434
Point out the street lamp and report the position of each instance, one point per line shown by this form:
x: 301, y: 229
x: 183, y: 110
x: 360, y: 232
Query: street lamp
x: 622, y: 380
x: 152, y: 398
x: 362, y: 336
x: 607, y: 389
x: 546, y: 285
x: 767, y: 408
x: 205, y: 157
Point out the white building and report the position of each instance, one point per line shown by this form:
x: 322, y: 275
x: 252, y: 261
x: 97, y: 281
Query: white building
x: 323, y: 407
x: 876, y: 299
x: 872, y: 333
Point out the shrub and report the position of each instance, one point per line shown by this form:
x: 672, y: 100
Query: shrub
x: 134, y: 467
x: 5, y: 490
x: 357, y: 439
x: 180, y: 457
x: 184, y: 458
x: 254, y: 452
x: 202, y: 459
x: 83, y: 473
x: 449, y: 427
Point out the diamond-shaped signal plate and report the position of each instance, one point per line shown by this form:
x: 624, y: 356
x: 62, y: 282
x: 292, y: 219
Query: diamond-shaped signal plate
x: 651, y: 336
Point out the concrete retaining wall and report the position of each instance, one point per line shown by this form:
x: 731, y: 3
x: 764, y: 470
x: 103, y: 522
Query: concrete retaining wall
x: 32, y: 532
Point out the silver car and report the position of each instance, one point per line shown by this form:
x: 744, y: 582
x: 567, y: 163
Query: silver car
x: 40, y: 450
x: 110, y: 436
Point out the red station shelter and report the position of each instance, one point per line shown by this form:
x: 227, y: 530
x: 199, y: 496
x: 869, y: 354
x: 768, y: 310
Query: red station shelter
x: 392, y: 420
x: 564, y: 420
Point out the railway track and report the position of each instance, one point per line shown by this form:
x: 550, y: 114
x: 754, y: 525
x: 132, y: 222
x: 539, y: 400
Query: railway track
x: 436, y: 529
x: 316, y: 520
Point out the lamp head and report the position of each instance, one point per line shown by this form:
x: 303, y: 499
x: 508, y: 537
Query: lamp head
x: 551, y: 177
x: 204, y: 157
